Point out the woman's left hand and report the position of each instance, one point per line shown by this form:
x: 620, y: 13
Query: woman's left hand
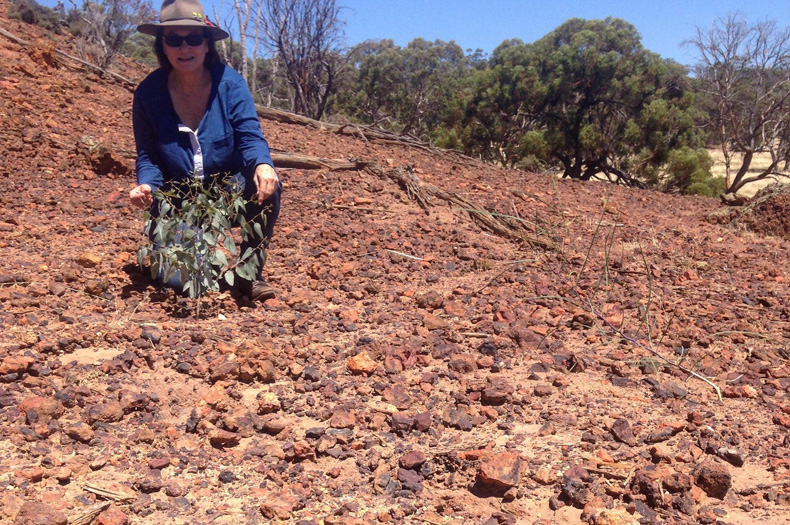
x: 265, y: 181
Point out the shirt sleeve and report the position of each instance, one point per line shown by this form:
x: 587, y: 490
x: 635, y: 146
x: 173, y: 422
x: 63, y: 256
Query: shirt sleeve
x: 148, y: 163
x: 247, y: 132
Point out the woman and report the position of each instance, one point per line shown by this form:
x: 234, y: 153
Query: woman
x: 194, y: 118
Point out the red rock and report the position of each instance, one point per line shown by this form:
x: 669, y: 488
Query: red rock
x: 361, y: 364
x: 15, y: 364
x: 714, y: 479
x: 621, y: 430
x: 544, y: 476
x: 112, y: 516
x: 34, y: 474
x: 89, y: 260
x: 343, y: 419
x: 222, y: 438
x: 111, y: 412
x: 412, y: 460
x: 79, y: 431
x: 501, y: 471
x: 781, y: 419
x: 268, y: 403
x: 33, y: 513
x: 45, y: 409
x: 432, y: 322
x: 277, y: 506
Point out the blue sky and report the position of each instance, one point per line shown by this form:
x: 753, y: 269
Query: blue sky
x: 663, y: 24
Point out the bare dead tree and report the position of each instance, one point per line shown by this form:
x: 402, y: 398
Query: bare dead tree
x: 745, y: 70
x: 256, y: 38
x: 306, y: 35
x: 107, y: 24
x: 243, y: 10
x: 224, y: 47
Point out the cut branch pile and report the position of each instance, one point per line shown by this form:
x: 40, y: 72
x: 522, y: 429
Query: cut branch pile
x: 424, y: 193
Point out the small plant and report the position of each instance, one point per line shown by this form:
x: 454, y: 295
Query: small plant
x: 191, y: 239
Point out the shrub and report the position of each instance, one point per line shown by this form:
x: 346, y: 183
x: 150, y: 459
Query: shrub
x: 190, y: 237
x: 31, y: 12
x: 689, y: 171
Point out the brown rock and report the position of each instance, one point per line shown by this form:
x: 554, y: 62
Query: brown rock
x: 343, y: 419
x: 79, y: 431
x: 543, y: 390
x: 15, y: 364
x: 462, y: 363
x: 614, y: 517
x: 40, y: 409
x: 497, y: 392
x: 223, y: 369
x: 268, y: 403
x: 159, y: 463
x: 621, y: 430
x: 112, y: 516
x: 361, y: 364
x: 111, y: 412
x: 33, y: 513
x: 89, y: 260
x: 152, y: 482
x: 277, y: 506
x: 500, y: 472
x: 412, y: 460
x: 432, y: 322
x: 714, y: 479
x: 222, y: 438
x: 429, y: 299
x: 266, y: 371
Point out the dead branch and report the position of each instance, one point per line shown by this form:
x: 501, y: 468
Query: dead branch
x: 425, y: 193
x: 354, y: 130
x: 127, y: 83
x: 87, y: 516
x: 307, y: 162
x: 108, y: 494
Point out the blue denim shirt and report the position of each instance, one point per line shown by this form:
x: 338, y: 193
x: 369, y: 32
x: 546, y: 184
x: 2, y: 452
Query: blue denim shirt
x: 229, y: 134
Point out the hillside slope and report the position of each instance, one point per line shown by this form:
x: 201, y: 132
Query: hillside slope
x: 415, y: 368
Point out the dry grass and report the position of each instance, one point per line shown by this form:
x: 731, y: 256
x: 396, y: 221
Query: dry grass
x: 759, y: 163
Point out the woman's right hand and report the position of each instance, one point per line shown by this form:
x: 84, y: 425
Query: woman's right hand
x: 142, y: 196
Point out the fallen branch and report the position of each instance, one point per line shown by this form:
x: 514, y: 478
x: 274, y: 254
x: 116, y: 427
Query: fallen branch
x: 109, y: 494
x: 656, y: 353
x: 355, y: 130
x: 307, y: 162
x: 127, y: 83
x: 424, y: 194
x: 88, y: 515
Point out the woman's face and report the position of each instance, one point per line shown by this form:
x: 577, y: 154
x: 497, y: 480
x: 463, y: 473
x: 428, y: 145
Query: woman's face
x: 184, y: 57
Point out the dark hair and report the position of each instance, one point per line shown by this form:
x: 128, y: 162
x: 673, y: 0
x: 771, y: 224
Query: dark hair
x: 212, y: 57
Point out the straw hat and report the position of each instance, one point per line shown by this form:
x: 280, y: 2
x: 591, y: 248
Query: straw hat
x: 182, y: 13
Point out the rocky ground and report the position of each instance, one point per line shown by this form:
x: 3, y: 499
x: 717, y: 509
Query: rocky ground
x: 625, y: 361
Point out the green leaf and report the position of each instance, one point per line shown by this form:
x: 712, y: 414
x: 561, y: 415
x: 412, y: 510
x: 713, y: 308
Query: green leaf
x: 220, y: 258
x: 230, y: 278
x: 230, y: 245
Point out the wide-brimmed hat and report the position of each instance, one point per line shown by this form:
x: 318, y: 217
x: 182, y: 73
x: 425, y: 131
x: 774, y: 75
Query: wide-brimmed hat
x: 182, y: 13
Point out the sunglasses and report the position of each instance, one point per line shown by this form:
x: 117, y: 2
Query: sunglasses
x: 192, y: 40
